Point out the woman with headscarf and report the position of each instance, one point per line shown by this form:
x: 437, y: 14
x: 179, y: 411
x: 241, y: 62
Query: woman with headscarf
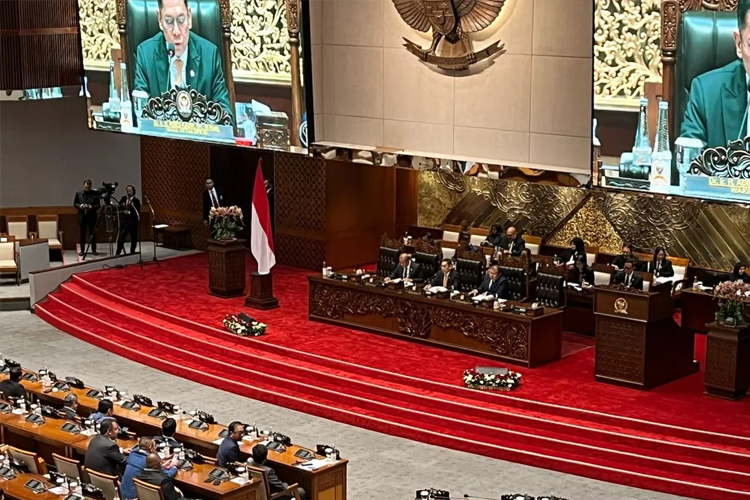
x: 571, y: 254
x: 740, y: 273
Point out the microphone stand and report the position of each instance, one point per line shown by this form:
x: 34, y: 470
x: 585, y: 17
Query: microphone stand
x: 153, y: 226
x: 138, y: 228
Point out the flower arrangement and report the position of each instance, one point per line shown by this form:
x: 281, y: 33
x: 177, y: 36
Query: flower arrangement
x: 730, y: 295
x: 244, y: 326
x: 225, y: 222
x: 490, y: 381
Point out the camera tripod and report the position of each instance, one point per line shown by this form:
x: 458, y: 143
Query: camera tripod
x: 111, y: 221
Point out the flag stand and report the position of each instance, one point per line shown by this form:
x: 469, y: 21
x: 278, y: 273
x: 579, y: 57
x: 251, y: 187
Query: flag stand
x: 261, y: 292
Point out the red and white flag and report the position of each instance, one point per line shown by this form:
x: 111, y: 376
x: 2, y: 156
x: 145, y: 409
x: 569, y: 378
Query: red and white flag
x: 261, y: 238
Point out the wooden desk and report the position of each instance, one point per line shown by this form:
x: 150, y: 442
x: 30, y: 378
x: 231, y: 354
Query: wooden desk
x: 14, y: 489
x: 514, y: 338
x: 579, y: 311
x: 698, y: 309
x: 326, y: 483
x: 45, y: 439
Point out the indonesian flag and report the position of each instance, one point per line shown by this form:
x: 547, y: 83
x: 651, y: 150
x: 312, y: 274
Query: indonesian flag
x: 261, y: 239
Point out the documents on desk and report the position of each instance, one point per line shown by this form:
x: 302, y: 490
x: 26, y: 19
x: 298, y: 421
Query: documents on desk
x: 315, y: 463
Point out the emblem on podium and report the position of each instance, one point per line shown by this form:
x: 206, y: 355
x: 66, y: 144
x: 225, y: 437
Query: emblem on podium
x: 621, y: 306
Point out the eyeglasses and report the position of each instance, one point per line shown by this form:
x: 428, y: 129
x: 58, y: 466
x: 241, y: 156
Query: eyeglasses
x: 169, y: 22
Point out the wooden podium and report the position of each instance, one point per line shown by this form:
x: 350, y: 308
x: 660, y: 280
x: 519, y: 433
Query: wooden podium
x: 727, y: 361
x: 638, y: 342
x: 226, y: 267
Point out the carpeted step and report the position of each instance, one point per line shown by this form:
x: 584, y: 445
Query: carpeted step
x: 713, y: 449
x: 475, y: 428
x: 174, y: 360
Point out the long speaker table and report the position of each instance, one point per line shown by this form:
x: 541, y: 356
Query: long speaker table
x: 516, y: 338
x: 638, y: 342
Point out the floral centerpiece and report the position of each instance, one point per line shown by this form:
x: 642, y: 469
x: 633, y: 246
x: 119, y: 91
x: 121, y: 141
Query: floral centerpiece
x: 492, y: 381
x: 730, y: 295
x: 225, y: 222
x: 244, y: 326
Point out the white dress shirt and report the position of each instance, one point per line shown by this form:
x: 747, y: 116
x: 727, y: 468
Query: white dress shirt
x: 173, y: 69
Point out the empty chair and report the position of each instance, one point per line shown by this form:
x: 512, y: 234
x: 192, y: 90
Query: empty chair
x: 9, y: 259
x: 450, y: 232
x: 18, y: 226
x: 533, y: 243
x: 108, y: 484
x: 34, y: 462
x: 67, y: 466
x: 147, y: 491
x: 265, y: 490
x: 47, y: 227
x: 477, y: 235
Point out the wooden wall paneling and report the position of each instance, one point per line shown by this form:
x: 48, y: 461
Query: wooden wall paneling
x: 407, y: 201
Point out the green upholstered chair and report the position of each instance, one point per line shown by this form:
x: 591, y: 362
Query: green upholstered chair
x: 211, y: 19
x: 703, y: 41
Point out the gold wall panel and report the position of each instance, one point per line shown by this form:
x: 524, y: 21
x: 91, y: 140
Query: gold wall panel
x: 439, y: 192
x: 591, y: 224
x: 260, y: 40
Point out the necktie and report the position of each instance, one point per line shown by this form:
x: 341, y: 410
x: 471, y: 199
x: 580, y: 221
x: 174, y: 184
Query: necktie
x: 213, y: 199
x: 406, y: 271
x: 127, y: 204
x: 510, y: 248
x: 445, y: 280
x: 627, y: 281
x: 178, y: 63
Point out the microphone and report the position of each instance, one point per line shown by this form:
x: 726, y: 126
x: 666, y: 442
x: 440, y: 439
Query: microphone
x: 466, y: 495
x: 744, y: 118
x: 170, y: 50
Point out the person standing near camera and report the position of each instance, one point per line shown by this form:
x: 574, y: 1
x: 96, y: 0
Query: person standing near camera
x: 87, y: 203
x: 131, y: 210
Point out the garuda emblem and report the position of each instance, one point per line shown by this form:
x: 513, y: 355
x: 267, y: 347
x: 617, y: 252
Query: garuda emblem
x: 452, y: 20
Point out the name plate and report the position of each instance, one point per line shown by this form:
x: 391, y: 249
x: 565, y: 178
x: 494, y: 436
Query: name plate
x: 723, y: 188
x: 187, y: 129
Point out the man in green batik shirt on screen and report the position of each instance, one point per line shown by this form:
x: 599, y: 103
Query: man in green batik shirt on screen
x: 715, y: 112
x: 196, y: 62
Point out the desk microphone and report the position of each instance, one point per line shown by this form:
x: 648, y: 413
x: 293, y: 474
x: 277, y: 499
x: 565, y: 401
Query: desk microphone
x: 170, y: 50
x: 470, y: 497
x: 744, y: 117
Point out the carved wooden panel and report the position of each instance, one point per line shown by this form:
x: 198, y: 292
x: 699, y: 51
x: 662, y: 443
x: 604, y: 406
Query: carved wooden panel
x: 721, y: 362
x: 620, y: 348
x: 39, y: 44
x: 298, y: 251
x: 331, y: 479
x: 173, y: 175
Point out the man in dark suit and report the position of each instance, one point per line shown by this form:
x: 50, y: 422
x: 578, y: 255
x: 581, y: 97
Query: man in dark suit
x: 168, y: 428
x: 406, y: 269
x: 260, y: 454
x: 87, y: 203
x: 446, y: 277
x: 229, y: 451
x: 512, y: 244
x: 153, y: 474
x: 70, y: 407
x: 619, y: 262
x: 629, y: 278
x: 11, y: 387
x: 212, y: 198
x: 103, y: 454
x: 131, y: 210
x: 494, y: 283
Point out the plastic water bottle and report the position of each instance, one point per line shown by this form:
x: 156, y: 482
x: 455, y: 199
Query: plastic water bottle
x: 325, y: 270
x: 181, y: 454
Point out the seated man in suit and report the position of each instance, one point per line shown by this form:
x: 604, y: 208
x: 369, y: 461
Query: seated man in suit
x: 229, y: 450
x: 406, y: 269
x: 446, y: 277
x: 176, y: 57
x: 104, y: 411
x: 168, y: 428
x: 103, y: 454
x: 153, y: 474
x: 715, y: 110
x: 660, y: 266
x: 260, y: 454
x: 627, y: 253
x: 11, y: 387
x: 512, y: 244
x: 628, y: 277
x: 137, y: 463
x: 494, y: 283
x: 70, y: 407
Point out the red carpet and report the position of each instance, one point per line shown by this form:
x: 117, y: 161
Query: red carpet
x: 672, y: 439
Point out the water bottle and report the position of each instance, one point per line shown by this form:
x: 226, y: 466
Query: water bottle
x: 695, y: 282
x: 325, y: 270
x: 181, y: 454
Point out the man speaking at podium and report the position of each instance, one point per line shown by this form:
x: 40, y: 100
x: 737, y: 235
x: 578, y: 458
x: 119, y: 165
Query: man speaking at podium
x: 716, y: 112
x: 175, y: 57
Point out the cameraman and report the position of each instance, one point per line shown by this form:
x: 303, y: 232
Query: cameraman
x: 87, y: 203
x: 131, y: 209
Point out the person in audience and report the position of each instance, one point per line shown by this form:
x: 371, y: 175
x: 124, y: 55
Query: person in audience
x: 104, y: 411
x: 212, y: 198
x: 103, y: 454
x: 229, y: 451
x: 11, y: 387
x: 740, y: 273
x: 446, y: 277
x: 406, y: 269
x: 571, y: 254
x: 583, y: 273
x: 86, y: 202
x: 153, y: 473
x: 260, y: 455
x: 512, y: 244
x: 131, y: 209
x: 168, y: 428
x: 494, y: 283
x: 70, y: 407
x: 464, y: 244
x: 429, y: 239
x: 532, y: 263
x: 137, y: 463
x: 628, y: 277
x: 495, y: 238
x: 627, y: 253
x: 660, y: 267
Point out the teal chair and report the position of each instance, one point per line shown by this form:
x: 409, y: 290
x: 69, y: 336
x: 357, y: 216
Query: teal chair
x: 211, y: 19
